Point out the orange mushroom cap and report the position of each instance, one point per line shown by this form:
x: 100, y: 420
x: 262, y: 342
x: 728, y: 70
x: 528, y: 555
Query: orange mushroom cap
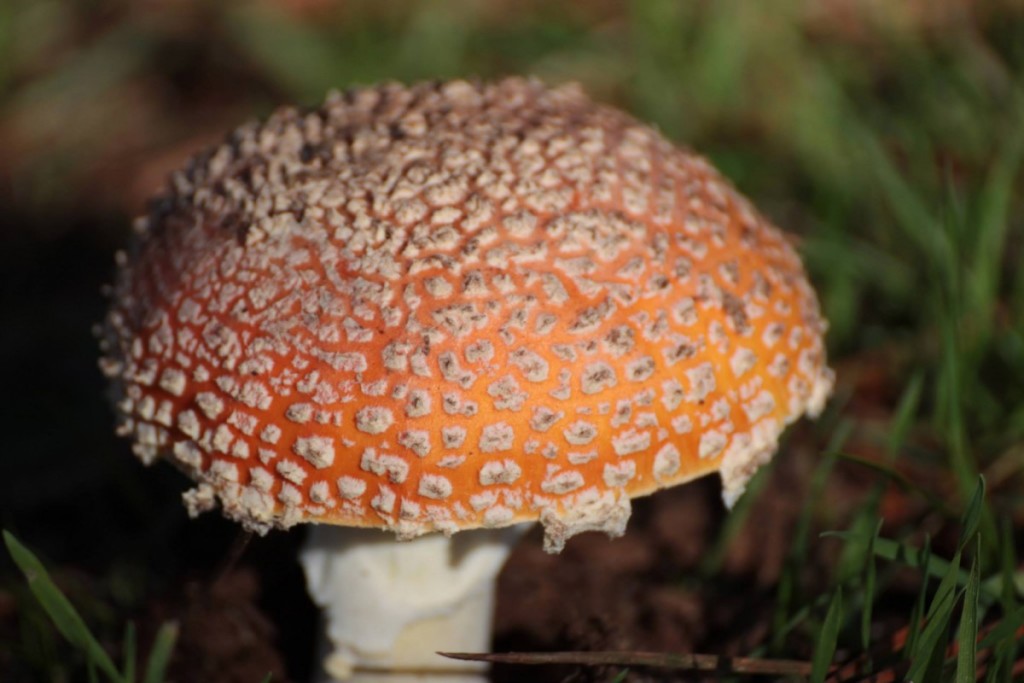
x: 454, y: 305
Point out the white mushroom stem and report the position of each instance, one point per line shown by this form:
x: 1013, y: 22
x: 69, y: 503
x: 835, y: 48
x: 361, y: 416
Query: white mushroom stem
x: 389, y: 606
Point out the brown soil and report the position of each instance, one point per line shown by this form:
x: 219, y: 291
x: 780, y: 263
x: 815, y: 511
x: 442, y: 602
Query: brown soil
x: 224, y: 635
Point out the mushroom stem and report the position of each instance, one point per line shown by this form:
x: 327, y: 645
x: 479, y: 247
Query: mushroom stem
x: 390, y: 607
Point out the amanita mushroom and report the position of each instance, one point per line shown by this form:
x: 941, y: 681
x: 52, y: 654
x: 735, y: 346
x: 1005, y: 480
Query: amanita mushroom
x: 449, y: 307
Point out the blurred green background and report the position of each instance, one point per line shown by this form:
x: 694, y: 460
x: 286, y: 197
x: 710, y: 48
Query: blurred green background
x: 887, y: 134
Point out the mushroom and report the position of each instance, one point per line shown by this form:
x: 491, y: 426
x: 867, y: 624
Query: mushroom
x: 452, y: 307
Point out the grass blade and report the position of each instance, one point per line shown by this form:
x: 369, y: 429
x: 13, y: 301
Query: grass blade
x: 972, y: 514
x: 888, y: 549
x: 930, y: 647
x: 906, y: 410
x: 946, y: 587
x: 966, y: 660
x: 825, y: 648
x: 129, y: 648
x: 60, y: 610
x: 160, y: 655
x: 870, y: 577
x: 991, y: 590
x: 909, y: 210
x: 917, y: 614
x: 992, y: 228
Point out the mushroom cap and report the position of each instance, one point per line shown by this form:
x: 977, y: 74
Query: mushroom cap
x: 457, y: 305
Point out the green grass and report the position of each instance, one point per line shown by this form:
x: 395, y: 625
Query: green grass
x: 828, y: 636
x: 73, y: 628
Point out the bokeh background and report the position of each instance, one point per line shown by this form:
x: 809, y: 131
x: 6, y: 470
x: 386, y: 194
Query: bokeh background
x: 887, y: 135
